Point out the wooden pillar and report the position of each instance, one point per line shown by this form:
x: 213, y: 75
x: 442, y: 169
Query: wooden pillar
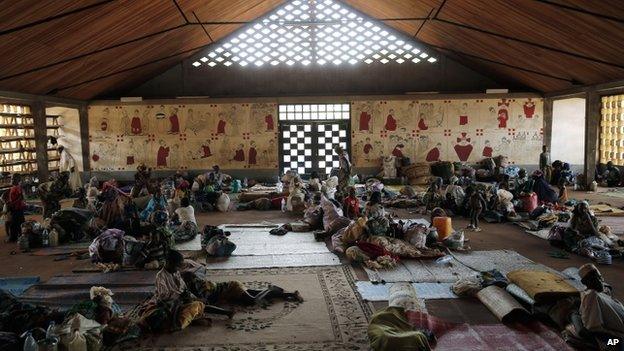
x: 592, y: 133
x: 83, y: 113
x: 548, y: 122
x: 41, y: 139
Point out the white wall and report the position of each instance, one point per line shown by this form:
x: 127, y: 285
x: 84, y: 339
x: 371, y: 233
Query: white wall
x: 568, y: 131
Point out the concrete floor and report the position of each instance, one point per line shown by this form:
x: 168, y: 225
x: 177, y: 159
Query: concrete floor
x: 493, y: 236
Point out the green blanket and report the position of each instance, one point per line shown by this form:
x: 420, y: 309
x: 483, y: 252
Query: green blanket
x: 390, y: 330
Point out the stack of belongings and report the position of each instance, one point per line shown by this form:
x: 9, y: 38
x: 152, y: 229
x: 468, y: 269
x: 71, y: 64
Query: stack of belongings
x: 417, y: 173
x: 443, y: 169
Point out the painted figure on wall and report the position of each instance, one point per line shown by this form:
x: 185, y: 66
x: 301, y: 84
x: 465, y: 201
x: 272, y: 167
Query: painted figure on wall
x: 175, y: 156
x: 365, y: 119
x: 221, y: 124
x: 367, y: 149
x: 463, y: 148
x: 398, y: 150
x: 487, y: 149
x: 239, y: 154
x: 463, y: 114
x: 529, y: 108
x: 135, y: 125
x: 161, y: 122
x: 503, y: 113
x: 174, y: 121
x: 434, y: 154
x: 162, y: 154
x: 422, y: 125
x: 271, y: 151
x: 125, y: 122
x: 104, y: 120
x: 253, y: 153
x: 391, y: 123
x: 130, y: 158
x: 205, y: 149
x: 270, y: 126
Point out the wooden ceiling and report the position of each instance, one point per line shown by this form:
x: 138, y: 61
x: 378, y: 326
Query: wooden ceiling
x: 85, y: 48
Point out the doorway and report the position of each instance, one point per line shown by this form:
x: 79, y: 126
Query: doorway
x: 308, y: 134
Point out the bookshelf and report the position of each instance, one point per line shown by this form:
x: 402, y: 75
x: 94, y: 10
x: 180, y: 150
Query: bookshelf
x: 17, y: 142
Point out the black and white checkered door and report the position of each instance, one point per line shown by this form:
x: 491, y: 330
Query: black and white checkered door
x: 308, y: 146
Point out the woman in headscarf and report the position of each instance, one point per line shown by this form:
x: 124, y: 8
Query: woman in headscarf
x: 544, y: 192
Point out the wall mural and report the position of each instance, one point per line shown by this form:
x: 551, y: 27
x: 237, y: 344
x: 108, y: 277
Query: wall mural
x: 198, y: 136
x: 448, y: 130
x: 244, y: 136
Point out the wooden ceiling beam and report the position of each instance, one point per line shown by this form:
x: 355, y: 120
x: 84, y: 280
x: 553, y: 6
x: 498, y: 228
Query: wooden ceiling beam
x: 69, y: 59
x: 583, y: 11
x: 546, y: 47
x: 52, y: 18
x: 461, y: 53
x: 56, y: 90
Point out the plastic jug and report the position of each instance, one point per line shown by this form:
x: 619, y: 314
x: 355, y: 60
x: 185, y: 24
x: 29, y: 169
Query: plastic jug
x: 30, y: 344
x: 444, y: 227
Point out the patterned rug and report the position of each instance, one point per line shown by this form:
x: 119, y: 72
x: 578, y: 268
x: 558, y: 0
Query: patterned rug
x: 332, y: 317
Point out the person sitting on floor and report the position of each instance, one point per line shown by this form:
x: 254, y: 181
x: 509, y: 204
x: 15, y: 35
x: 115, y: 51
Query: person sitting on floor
x: 92, y: 193
x: 455, y: 195
x: 612, y: 176
x: 600, y: 317
x: 314, y: 184
x: 216, y: 178
x: 51, y: 193
x: 432, y: 197
x: 351, y: 204
x: 141, y: 181
x: 172, y: 307
x: 234, y: 292
x: 522, y: 183
x: 81, y: 198
x: 378, y: 223
x: 184, y: 216
x: 583, y: 221
x: 545, y: 193
x: 157, y: 200
x: 296, y: 197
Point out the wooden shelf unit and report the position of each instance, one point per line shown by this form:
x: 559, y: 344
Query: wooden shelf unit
x: 17, y: 140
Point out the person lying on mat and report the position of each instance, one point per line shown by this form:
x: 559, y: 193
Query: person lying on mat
x: 234, y: 292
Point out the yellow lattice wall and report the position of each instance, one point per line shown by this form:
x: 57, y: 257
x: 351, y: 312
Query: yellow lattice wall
x: 612, y: 130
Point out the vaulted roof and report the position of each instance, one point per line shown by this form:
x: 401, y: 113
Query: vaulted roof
x: 84, y: 48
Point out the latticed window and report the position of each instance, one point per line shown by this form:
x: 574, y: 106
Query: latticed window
x: 612, y: 130
x: 315, y: 32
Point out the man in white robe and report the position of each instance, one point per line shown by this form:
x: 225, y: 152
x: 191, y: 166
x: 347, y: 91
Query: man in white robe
x: 68, y: 164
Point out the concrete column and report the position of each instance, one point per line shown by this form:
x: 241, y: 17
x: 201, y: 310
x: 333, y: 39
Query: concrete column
x: 83, y: 113
x: 592, y: 133
x: 548, y: 121
x: 41, y: 139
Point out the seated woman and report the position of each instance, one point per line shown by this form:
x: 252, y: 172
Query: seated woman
x: 432, y: 197
x: 522, y: 183
x: 612, y: 176
x: 314, y: 184
x: 157, y: 200
x: 378, y: 223
x: 583, y: 221
x: 351, y: 204
x: 172, y: 307
x: 184, y: 216
x: 545, y: 193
